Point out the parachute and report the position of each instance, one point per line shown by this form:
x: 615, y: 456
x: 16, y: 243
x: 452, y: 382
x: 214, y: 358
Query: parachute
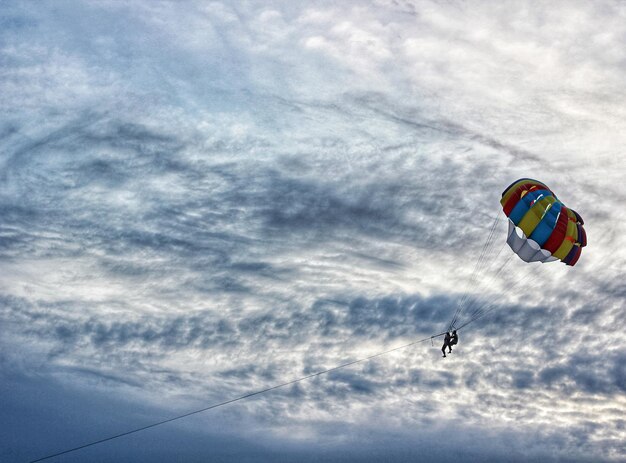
x: 541, y: 228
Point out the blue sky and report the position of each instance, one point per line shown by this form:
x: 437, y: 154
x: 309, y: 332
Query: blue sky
x: 203, y: 199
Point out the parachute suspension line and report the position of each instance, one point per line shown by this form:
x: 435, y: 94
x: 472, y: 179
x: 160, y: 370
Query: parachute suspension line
x: 475, y: 302
x: 482, y: 308
x: 495, y: 259
x: 478, y: 266
x: 475, y: 271
x: 487, y: 259
x: 527, y: 280
x: 474, y: 299
x: 493, y: 276
x: 491, y: 304
x: 236, y: 399
x: 481, y: 258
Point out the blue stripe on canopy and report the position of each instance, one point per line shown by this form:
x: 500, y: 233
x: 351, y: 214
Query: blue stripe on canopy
x: 544, y: 228
x: 522, y: 206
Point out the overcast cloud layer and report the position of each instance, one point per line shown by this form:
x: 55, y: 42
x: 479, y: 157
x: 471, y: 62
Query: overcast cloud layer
x: 203, y: 199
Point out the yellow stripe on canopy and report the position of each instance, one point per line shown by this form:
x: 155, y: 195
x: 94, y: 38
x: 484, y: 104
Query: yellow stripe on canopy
x: 566, y: 246
x: 534, y: 215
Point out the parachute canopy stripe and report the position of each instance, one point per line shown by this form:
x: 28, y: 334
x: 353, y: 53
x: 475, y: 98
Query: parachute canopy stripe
x: 510, y: 199
x: 573, y: 255
x: 582, y: 235
x: 568, y: 241
x: 523, y: 205
x: 544, y: 228
x: 579, y: 219
x: 558, y: 234
x: 517, y: 183
x: 544, y: 221
x: 537, y: 211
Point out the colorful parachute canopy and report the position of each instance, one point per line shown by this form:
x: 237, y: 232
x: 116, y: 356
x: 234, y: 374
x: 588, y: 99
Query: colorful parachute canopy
x: 541, y: 228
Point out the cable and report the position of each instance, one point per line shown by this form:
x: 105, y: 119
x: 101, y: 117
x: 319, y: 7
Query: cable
x: 245, y: 396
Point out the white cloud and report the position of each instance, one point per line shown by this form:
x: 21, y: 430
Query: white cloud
x: 216, y: 198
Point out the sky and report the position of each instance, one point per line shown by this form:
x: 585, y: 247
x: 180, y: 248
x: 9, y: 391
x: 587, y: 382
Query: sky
x: 204, y: 199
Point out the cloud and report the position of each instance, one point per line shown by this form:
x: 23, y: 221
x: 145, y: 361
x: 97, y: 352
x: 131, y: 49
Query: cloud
x: 205, y: 201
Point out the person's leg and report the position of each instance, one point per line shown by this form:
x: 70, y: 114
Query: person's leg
x: 443, y: 349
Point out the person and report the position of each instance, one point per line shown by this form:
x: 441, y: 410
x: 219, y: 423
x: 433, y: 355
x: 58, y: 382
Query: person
x: 453, y: 341
x: 446, y: 343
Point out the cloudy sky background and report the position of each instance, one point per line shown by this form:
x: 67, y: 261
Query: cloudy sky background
x: 203, y: 199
